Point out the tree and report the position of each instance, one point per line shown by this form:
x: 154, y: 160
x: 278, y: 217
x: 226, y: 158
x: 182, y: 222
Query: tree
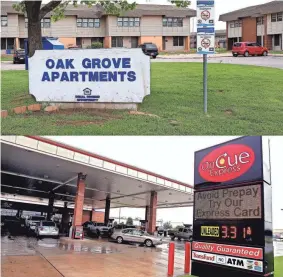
x: 167, y: 225
x: 35, y: 11
x: 129, y: 221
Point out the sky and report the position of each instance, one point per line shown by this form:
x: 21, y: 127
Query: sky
x: 172, y: 157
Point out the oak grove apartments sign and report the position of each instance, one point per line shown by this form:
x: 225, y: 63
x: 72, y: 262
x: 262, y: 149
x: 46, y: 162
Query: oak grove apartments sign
x: 90, y: 75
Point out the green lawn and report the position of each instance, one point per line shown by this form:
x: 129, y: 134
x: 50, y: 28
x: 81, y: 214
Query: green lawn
x: 278, y: 266
x: 276, y: 52
x: 6, y: 58
x: 243, y: 100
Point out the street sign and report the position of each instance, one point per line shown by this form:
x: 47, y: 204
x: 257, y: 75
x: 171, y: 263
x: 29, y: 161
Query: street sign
x: 205, y: 13
x: 205, y: 27
x: 232, y: 227
x: 205, y: 40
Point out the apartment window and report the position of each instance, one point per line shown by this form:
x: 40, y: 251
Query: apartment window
x: 276, y: 40
x: 236, y: 24
x: 4, y: 21
x: 26, y: 22
x: 3, y: 43
x: 117, y: 42
x: 79, y: 42
x: 45, y: 23
x: 128, y: 21
x: 279, y: 16
x: 172, y: 22
x: 273, y: 17
x: 259, y: 20
x: 88, y: 22
x: 10, y: 43
x: 178, y: 41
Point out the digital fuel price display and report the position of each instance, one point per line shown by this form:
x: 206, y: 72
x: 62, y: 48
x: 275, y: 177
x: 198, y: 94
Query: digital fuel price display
x: 232, y: 231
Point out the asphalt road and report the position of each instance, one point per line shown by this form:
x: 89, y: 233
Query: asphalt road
x: 269, y: 61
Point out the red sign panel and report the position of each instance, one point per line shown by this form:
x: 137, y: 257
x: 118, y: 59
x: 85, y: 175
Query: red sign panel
x: 226, y: 163
x: 233, y: 250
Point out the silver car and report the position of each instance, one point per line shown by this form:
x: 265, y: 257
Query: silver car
x: 46, y: 229
x: 135, y: 236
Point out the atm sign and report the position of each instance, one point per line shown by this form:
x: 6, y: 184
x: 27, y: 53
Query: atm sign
x: 210, y: 231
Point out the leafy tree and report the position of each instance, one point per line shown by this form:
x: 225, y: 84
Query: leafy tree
x: 167, y: 225
x: 129, y: 221
x: 35, y: 11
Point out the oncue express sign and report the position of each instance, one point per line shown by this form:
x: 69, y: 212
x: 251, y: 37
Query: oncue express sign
x: 232, y: 229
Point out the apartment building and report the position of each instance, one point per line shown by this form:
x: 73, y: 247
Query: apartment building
x: 220, y: 39
x: 165, y: 25
x: 261, y: 23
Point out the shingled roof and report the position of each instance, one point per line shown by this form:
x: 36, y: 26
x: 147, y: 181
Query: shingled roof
x: 254, y: 11
x: 84, y: 11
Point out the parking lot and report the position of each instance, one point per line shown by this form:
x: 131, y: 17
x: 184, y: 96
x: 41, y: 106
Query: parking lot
x: 23, y: 256
x: 269, y: 61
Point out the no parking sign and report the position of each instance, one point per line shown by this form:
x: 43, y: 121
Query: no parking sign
x: 205, y: 27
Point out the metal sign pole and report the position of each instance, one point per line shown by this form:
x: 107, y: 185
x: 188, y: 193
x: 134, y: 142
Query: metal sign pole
x: 205, y: 83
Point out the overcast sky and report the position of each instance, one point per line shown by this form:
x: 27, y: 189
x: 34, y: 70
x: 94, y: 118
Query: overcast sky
x: 173, y: 157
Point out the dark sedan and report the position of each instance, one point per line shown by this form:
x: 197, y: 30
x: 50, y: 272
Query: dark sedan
x: 149, y: 49
x: 19, y: 56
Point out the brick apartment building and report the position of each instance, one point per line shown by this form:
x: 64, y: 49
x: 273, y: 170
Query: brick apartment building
x: 261, y: 23
x: 220, y: 39
x: 165, y: 25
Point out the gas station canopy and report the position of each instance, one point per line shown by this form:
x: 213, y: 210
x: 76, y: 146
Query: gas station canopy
x: 32, y: 167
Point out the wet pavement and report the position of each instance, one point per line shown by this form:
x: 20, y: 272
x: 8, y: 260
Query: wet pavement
x: 27, y: 256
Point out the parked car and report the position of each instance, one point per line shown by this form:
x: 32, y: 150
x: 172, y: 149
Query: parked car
x: 135, y: 236
x: 96, y: 229
x: 32, y: 221
x: 19, y: 56
x: 12, y: 225
x: 74, y: 47
x: 149, y: 49
x: 185, y: 233
x: 46, y: 229
x: 248, y: 49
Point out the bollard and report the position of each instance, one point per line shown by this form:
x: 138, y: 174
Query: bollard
x: 171, y: 255
x: 187, y: 257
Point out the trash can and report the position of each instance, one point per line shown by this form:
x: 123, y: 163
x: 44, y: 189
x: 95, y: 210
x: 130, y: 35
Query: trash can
x: 78, y: 232
x: 48, y: 43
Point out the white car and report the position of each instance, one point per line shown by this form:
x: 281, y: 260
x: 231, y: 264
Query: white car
x: 135, y: 236
x: 47, y: 229
x: 32, y: 221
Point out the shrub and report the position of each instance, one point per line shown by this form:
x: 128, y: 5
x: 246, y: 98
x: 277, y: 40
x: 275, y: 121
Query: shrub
x: 96, y: 45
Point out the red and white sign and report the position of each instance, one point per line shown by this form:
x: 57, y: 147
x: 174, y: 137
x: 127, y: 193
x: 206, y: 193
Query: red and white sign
x: 233, y: 250
x: 205, y: 15
x: 237, y: 262
x: 226, y: 163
